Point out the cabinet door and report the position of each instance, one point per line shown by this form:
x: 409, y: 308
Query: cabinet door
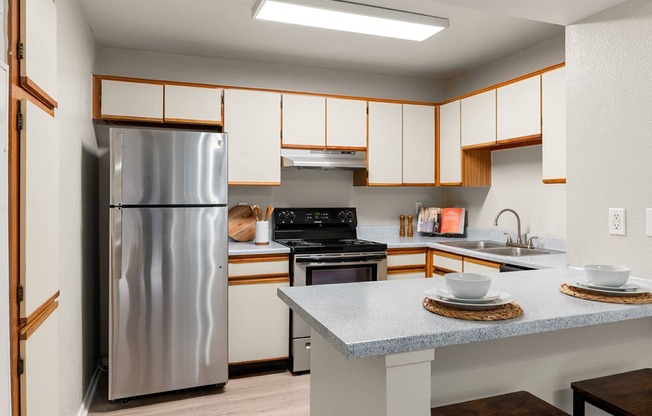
x: 38, y: 34
x: 418, y: 144
x: 304, y: 120
x: 519, y: 109
x: 253, y: 121
x: 480, y: 266
x: 450, y: 151
x: 259, y: 323
x: 479, y: 119
x: 554, y: 125
x: 446, y: 262
x: 385, y: 152
x: 39, y: 217
x: 131, y: 101
x: 346, y: 123
x: 39, y: 384
x: 200, y: 105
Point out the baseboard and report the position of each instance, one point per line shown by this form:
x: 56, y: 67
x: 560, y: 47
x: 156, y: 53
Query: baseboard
x: 90, y: 392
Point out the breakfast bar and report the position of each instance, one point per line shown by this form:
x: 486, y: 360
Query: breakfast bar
x: 377, y: 351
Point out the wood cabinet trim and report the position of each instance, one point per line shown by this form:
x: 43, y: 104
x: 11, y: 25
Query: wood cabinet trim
x: 31, y: 87
x: 551, y: 181
x: 189, y: 121
x: 257, y: 258
x: 451, y: 184
x: 482, y: 262
x: 266, y: 360
x: 406, y: 269
x: 447, y: 254
x: 502, y: 84
x: 400, y: 251
x: 259, y: 279
x: 130, y: 118
x: 35, y: 320
x: 441, y: 271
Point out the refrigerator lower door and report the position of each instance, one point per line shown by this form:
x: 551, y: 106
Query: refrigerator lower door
x: 168, y: 299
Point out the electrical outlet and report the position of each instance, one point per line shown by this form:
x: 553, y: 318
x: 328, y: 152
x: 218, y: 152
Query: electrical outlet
x: 617, y: 223
x: 417, y: 207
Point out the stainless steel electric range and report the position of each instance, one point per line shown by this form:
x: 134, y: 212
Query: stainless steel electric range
x: 324, y: 249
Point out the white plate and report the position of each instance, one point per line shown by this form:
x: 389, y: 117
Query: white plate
x: 490, y: 297
x: 503, y: 299
x: 611, y: 291
x: 629, y: 287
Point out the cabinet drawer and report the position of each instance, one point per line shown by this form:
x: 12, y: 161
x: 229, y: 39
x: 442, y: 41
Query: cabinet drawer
x: 480, y: 266
x: 411, y: 259
x: 406, y: 275
x: 241, y: 267
x: 448, y: 262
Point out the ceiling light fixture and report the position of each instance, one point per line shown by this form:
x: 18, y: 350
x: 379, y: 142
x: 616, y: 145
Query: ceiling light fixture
x: 350, y: 17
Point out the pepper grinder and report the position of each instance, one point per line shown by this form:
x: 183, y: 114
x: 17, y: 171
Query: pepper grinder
x: 409, y: 227
x: 401, y: 231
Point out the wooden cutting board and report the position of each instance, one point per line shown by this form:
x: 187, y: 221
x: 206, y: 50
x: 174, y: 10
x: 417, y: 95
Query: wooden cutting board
x: 242, y: 224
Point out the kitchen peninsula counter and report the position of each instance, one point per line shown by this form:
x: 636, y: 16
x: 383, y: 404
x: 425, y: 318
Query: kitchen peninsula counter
x: 380, y: 331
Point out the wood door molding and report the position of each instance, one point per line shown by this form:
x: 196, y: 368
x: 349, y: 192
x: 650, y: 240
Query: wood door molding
x: 28, y: 85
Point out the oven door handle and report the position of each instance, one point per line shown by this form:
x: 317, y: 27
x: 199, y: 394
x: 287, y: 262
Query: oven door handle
x: 322, y: 260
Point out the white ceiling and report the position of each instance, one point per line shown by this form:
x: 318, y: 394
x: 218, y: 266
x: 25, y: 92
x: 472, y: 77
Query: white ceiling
x: 224, y: 29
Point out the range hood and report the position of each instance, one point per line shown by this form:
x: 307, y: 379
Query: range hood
x: 323, y: 159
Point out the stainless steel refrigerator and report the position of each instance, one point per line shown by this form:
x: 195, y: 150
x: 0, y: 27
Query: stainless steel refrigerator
x: 167, y: 260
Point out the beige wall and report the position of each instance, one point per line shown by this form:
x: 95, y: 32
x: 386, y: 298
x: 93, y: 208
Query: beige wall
x: 78, y: 274
x: 609, y: 57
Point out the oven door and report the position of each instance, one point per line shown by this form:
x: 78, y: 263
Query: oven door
x: 322, y: 269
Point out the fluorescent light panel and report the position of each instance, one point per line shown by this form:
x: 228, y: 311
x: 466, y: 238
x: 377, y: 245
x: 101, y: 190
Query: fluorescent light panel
x: 350, y: 17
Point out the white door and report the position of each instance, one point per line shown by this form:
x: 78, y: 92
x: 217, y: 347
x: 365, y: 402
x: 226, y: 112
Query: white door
x: 304, y: 120
x: 38, y: 33
x: 5, y: 362
x: 346, y: 123
x: 518, y: 110
x: 479, y: 119
x: 418, y: 144
x: 253, y: 122
x: 450, y: 152
x: 554, y: 125
x: 385, y: 151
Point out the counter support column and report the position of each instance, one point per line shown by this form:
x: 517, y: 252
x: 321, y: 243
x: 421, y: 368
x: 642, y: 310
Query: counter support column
x: 392, y: 385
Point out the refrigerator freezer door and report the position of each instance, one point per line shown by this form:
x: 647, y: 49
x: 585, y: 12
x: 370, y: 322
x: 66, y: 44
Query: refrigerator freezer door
x: 168, y: 300
x: 166, y: 167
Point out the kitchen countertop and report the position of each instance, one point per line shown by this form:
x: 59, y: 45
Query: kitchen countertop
x: 380, y: 318
x: 386, y: 236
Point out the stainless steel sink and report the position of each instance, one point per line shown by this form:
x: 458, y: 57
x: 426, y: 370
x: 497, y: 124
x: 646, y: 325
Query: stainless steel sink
x: 515, y: 251
x: 474, y: 245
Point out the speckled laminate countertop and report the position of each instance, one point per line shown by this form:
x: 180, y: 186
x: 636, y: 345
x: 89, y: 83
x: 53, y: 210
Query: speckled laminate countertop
x: 379, y: 318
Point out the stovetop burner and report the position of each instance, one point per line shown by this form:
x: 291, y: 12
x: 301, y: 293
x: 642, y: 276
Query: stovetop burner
x: 320, y: 230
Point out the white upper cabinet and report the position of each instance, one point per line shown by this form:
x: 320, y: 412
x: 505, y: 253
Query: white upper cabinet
x: 346, y: 123
x: 304, y: 120
x: 519, y: 109
x: 186, y: 104
x: 253, y: 122
x: 38, y: 34
x: 39, y: 217
x: 450, y: 153
x: 131, y: 101
x: 479, y: 119
x: 385, y: 151
x: 554, y: 125
x: 418, y: 144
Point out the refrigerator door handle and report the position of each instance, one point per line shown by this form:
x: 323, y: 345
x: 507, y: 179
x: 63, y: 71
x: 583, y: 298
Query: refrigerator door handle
x: 116, y: 243
x: 116, y: 169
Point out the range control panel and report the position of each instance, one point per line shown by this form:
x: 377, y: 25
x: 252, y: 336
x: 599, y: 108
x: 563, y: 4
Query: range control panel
x: 300, y: 216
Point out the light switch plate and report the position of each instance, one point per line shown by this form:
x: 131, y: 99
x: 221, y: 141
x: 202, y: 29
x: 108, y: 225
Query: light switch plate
x: 648, y: 222
x: 617, y: 223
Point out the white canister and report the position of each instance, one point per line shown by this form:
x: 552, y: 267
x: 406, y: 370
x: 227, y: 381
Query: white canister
x: 262, y: 233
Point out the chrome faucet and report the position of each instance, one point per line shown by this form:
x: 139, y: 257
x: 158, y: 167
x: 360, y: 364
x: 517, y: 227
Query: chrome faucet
x: 519, y: 240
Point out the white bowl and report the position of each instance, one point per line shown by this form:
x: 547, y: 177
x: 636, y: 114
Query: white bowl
x: 606, y: 275
x: 467, y: 285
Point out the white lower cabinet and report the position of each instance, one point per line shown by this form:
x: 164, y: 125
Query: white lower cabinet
x: 472, y: 265
x: 259, y: 322
x: 405, y: 264
x: 444, y: 262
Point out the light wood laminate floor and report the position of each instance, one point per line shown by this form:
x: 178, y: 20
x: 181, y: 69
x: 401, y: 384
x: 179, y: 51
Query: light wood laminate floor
x: 271, y: 394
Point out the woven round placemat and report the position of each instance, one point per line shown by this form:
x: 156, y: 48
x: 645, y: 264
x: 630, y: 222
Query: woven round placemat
x: 576, y: 292
x: 499, y: 313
